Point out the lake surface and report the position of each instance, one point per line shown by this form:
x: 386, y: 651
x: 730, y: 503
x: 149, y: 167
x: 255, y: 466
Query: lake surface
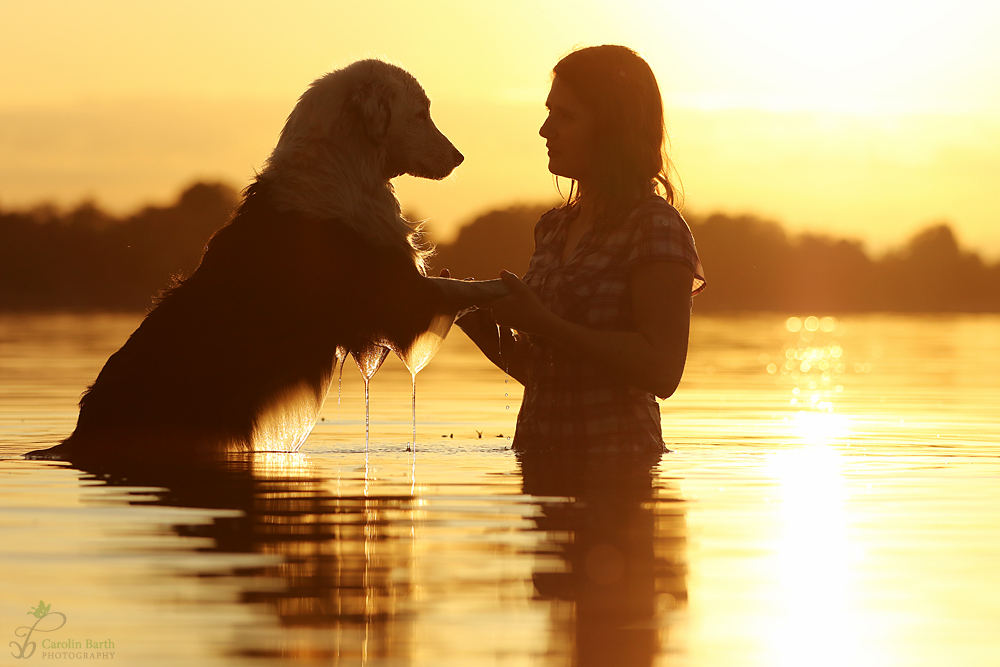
x: 832, y: 498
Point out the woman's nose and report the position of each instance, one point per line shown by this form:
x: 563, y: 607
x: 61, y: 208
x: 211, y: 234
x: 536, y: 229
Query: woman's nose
x: 545, y: 130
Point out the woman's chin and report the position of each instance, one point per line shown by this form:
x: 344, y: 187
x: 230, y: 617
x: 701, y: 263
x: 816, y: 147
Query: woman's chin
x: 557, y: 169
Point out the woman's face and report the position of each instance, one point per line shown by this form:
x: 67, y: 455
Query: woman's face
x: 569, y: 133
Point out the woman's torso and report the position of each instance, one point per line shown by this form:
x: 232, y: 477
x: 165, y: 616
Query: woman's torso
x: 571, y: 401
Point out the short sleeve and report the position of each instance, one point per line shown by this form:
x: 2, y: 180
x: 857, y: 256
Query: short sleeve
x: 661, y: 234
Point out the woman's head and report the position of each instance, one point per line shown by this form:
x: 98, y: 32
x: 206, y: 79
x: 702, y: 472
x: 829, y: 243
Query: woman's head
x: 605, y: 126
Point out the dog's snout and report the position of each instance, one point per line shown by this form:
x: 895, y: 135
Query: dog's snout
x: 457, y: 156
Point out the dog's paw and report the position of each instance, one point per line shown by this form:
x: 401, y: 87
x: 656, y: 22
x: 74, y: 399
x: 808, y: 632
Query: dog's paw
x: 57, y: 453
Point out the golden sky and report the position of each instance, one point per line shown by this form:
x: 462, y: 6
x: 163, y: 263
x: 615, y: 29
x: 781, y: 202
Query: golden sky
x: 864, y: 118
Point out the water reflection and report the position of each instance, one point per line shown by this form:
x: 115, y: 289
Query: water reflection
x: 615, y: 557
x: 342, y: 585
x: 607, y: 539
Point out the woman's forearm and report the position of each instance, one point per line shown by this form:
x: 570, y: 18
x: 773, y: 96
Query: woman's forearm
x: 627, y: 355
x: 496, y: 343
x: 650, y: 358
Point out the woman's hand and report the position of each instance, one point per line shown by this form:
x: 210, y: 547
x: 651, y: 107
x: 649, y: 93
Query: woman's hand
x: 496, y: 343
x: 521, y: 309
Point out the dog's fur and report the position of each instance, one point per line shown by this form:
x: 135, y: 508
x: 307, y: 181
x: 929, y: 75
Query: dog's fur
x: 317, y: 261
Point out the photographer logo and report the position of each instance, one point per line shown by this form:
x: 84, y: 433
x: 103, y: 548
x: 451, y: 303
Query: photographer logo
x: 46, y: 621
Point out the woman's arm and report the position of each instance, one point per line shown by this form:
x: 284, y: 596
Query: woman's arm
x: 496, y: 342
x: 650, y: 358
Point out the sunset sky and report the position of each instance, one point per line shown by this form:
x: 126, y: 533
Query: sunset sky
x: 863, y: 118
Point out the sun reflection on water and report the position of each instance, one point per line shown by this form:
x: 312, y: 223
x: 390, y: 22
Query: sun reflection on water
x: 819, y: 621
x: 813, y: 363
x: 816, y: 364
x: 820, y: 428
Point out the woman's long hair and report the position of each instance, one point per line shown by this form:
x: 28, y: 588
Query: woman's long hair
x: 631, y: 161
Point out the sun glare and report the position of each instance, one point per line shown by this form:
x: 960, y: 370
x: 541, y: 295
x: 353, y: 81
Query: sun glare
x: 819, y: 37
x: 813, y: 558
x: 857, y: 56
x: 820, y: 428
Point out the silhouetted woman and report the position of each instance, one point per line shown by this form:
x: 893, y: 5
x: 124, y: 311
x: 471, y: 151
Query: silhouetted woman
x: 603, y: 313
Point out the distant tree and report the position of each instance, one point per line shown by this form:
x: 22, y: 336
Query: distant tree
x: 828, y: 274
x: 932, y: 273
x: 746, y: 261
x: 501, y: 239
x: 752, y: 264
x: 87, y: 259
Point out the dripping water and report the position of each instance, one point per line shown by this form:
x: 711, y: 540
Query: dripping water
x: 506, y: 388
x: 413, y: 458
x: 506, y: 370
x: 369, y: 360
x: 367, y: 423
x: 415, y: 357
x: 419, y: 353
x: 342, y: 359
x: 412, y: 445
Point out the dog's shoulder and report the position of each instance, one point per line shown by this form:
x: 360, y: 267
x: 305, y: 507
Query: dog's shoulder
x: 264, y: 238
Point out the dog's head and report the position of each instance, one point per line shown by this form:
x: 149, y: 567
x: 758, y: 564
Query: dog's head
x: 377, y: 107
x: 395, y: 113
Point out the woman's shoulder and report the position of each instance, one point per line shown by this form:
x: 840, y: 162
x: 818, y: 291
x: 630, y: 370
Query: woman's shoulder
x: 661, y: 233
x: 656, y: 209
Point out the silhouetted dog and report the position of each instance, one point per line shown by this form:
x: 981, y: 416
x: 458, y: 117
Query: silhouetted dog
x: 317, y: 261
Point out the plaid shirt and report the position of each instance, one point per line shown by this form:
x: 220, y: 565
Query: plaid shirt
x: 569, y: 401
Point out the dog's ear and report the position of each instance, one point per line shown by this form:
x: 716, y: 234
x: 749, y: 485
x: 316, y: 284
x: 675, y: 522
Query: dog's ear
x: 372, y: 104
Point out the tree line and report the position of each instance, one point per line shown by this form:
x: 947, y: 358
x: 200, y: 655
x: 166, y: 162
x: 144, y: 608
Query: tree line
x: 86, y: 259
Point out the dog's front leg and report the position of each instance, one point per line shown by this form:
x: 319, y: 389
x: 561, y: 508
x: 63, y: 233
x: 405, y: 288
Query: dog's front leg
x: 461, y: 296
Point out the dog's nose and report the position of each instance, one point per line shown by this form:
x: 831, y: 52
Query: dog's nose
x: 459, y: 158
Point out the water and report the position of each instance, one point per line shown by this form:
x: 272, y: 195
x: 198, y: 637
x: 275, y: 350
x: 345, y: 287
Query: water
x: 369, y: 360
x: 851, y: 518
